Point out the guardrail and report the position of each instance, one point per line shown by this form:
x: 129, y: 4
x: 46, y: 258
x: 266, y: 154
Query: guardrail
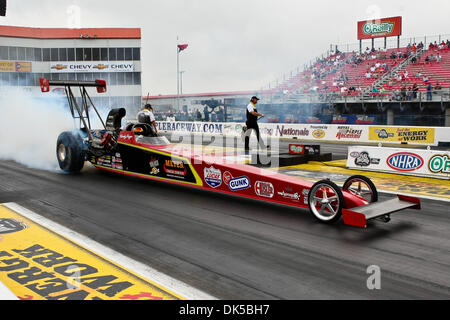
x: 336, y: 96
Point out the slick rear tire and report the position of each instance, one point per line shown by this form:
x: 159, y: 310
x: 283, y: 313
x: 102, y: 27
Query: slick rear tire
x: 325, y: 200
x: 69, y: 152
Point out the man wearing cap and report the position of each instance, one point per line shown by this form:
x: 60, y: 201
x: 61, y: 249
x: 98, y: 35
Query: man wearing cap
x: 252, y: 122
x: 146, y: 116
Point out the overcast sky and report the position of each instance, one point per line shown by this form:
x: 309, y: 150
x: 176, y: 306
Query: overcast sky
x: 233, y: 44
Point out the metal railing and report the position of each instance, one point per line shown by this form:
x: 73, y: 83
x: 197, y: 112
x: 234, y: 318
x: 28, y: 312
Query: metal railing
x: 440, y: 95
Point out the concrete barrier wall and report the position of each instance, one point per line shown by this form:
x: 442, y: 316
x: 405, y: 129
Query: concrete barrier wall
x: 424, y: 163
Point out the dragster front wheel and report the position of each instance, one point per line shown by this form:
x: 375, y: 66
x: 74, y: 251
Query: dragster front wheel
x: 69, y: 151
x: 325, y: 200
x: 362, y: 187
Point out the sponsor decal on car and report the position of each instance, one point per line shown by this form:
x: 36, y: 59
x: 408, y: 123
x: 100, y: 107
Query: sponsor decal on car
x: 292, y: 196
x: 305, y: 194
x: 175, y: 167
x: 126, y: 136
x: 405, y: 161
x: 439, y: 164
x: 213, y: 177
x: 153, y: 162
x: 239, y: 183
x: 264, y: 189
x: 227, y: 176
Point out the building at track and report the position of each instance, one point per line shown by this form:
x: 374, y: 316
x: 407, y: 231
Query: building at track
x: 111, y: 54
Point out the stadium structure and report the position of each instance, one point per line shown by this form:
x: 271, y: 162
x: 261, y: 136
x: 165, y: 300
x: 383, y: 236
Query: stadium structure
x: 377, y: 81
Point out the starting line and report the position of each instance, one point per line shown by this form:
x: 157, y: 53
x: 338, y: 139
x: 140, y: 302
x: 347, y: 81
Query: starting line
x: 41, y: 260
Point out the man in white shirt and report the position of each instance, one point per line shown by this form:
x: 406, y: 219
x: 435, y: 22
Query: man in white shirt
x: 146, y: 116
x: 252, y: 122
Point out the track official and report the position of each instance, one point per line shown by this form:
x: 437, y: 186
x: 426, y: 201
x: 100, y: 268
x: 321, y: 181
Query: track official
x: 252, y: 122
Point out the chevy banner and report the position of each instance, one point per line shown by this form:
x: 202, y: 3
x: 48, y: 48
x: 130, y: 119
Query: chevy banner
x: 75, y: 67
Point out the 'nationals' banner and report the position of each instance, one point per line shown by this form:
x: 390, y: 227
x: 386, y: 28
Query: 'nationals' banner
x: 381, y: 28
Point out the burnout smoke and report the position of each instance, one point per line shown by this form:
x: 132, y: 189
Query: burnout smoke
x: 30, y: 125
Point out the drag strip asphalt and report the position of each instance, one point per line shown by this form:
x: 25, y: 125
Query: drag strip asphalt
x: 234, y: 248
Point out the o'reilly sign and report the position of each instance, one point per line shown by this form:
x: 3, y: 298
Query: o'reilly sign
x: 387, y: 27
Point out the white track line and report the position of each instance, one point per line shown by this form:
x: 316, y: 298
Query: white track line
x: 139, y: 268
x: 6, y: 294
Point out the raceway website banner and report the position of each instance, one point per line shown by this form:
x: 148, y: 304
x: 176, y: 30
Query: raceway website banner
x: 426, y: 163
x: 318, y: 132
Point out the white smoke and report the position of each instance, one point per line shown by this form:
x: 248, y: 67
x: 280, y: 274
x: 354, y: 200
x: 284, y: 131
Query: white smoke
x: 30, y: 125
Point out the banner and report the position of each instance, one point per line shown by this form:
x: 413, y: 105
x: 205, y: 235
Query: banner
x: 402, y: 135
x: 425, y: 163
x: 76, y: 67
x: 387, y: 27
x: 14, y: 66
x: 362, y: 134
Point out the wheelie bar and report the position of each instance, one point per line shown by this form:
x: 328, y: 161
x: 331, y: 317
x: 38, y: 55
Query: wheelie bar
x: 358, y: 217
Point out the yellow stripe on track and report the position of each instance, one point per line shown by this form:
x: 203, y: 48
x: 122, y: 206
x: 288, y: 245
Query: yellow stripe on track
x: 39, y: 264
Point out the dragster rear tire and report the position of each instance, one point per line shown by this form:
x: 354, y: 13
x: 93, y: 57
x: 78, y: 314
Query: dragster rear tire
x: 69, y: 152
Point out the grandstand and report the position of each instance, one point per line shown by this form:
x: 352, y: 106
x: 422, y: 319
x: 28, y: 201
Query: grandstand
x: 373, y: 72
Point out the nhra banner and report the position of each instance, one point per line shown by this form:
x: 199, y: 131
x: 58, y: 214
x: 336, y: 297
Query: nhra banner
x: 75, y: 67
x: 425, y: 163
x: 387, y: 27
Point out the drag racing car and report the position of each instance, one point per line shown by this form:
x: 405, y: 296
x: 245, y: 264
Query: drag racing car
x: 136, y: 150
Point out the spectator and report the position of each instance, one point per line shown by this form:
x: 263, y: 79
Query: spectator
x: 426, y: 79
x: 429, y: 92
x: 206, y: 112
x: 199, y: 115
x: 438, y: 57
x: 415, y: 91
x: 409, y: 94
x: 403, y: 93
x: 437, y: 88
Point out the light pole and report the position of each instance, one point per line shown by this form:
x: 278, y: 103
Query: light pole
x: 181, y: 82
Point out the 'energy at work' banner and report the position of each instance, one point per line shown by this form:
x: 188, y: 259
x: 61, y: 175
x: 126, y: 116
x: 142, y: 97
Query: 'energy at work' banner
x: 402, y: 134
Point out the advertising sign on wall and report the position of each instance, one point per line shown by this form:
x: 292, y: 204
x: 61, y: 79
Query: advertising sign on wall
x: 75, y: 67
x: 427, y: 163
x: 402, y: 134
x: 15, y: 66
x: 386, y: 27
